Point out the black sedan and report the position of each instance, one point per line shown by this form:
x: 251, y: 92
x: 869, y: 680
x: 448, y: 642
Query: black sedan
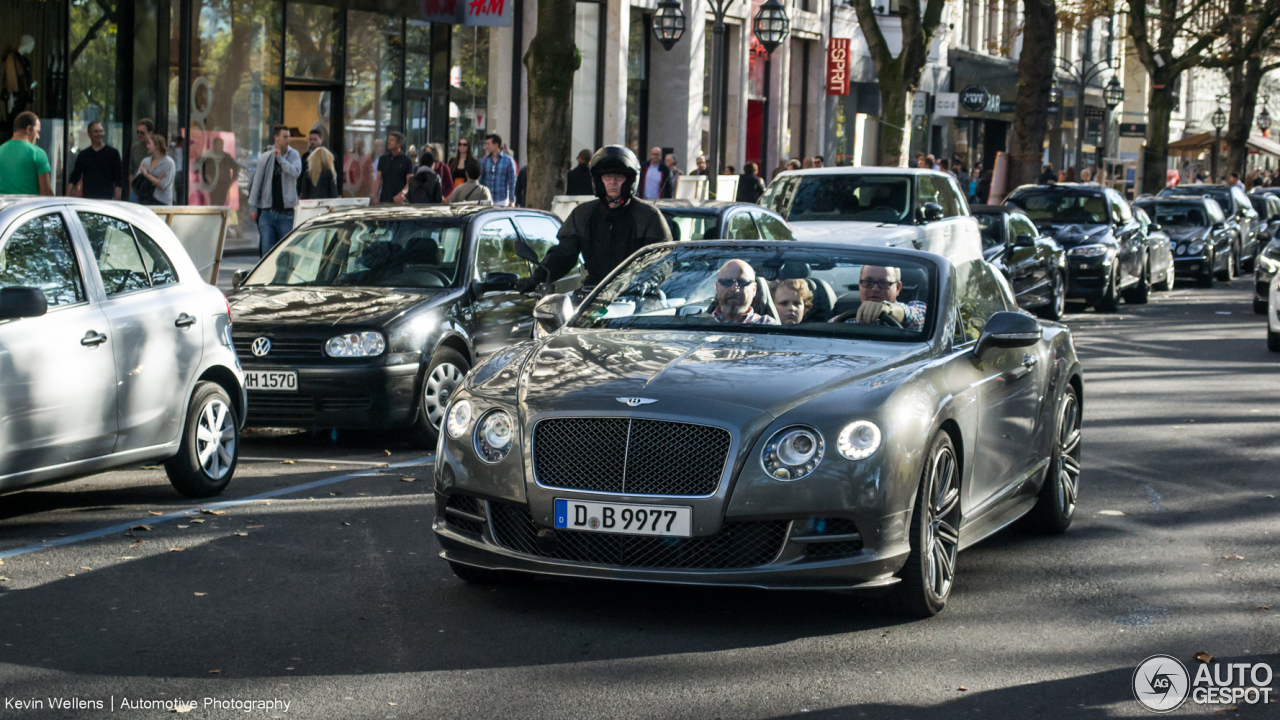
x: 1106, y: 248
x: 370, y: 318
x: 1160, y: 267
x: 719, y: 220
x: 1267, y: 205
x: 1035, y: 265
x: 1241, y: 219
x: 1198, y: 231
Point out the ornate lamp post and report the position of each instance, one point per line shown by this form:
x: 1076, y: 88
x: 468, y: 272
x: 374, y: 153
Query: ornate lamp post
x: 1264, y: 120
x: 668, y: 23
x: 1219, y: 121
x: 1112, y: 95
x: 1083, y: 74
x: 771, y: 26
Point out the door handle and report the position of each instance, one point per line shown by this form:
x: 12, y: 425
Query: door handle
x: 93, y: 339
x: 184, y: 321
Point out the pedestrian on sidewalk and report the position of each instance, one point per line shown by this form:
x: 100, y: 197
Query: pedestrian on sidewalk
x: 319, y: 181
x: 154, y: 181
x: 464, y: 158
x: 673, y: 175
x: 701, y: 163
x: 794, y: 164
x: 818, y: 161
x: 750, y: 186
x: 441, y: 169
x: 394, y: 170
x: 314, y: 140
x: 1047, y: 175
x: 97, y: 173
x: 138, y: 151
x: 470, y: 190
x: 26, y: 166
x: 579, y: 182
x: 498, y: 171
x: 274, y: 190
x: 653, y: 177
x: 424, y: 186
x: 522, y: 186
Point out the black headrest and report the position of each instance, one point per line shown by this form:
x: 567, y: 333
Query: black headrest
x: 422, y: 249
x: 792, y: 270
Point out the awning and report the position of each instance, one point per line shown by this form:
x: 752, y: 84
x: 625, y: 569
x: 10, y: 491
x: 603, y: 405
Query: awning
x: 1265, y: 146
x: 1197, y: 145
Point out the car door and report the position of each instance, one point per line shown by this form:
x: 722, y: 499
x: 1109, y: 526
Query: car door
x: 1129, y: 237
x: 1248, y: 223
x: 1027, y: 273
x: 540, y: 232
x: 158, y: 327
x: 1008, y: 383
x: 499, y: 315
x: 57, y: 371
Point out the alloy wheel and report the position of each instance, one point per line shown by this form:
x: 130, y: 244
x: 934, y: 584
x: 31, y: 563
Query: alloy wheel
x: 216, y: 439
x: 437, y: 390
x: 1068, y: 463
x: 942, y: 540
x: 1059, y: 295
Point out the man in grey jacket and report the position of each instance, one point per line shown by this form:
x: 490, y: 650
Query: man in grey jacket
x: 274, y: 190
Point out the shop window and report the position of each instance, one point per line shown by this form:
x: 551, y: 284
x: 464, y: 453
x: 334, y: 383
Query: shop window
x: 586, y: 37
x: 93, y: 73
x: 312, y: 50
x: 469, y: 96
x: 374, y: 48
x: 638, y: 82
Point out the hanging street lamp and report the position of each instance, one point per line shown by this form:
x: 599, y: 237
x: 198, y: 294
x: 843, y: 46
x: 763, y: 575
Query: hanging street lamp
x: 1219, y: 121
x: 771, y: 26
x: 668, y: 23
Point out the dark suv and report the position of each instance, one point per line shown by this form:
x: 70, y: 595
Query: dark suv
x: 1242, y: 220
x: 1107, y: 253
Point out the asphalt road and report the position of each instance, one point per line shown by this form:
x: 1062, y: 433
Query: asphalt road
x: 320, y: 584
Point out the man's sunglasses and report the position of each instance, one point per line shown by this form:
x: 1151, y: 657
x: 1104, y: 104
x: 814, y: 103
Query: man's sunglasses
x: 882, y: 284
x: 728, y: 283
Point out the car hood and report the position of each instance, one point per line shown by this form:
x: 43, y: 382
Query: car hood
x: 1185, y: 232
x: 323, y: 306
x: 732, y: 377
x: 1072, y: 234
x: 850, y: 231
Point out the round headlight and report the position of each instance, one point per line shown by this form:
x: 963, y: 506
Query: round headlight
x: 1195, y: 248
x: 459, y: 419
x: 361, y: 344
x: 1182, y: 249
x: 792, y: 453
x: 493, y: 435
x: 858, y: 440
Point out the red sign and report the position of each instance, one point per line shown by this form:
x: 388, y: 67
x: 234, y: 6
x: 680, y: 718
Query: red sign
x: 838, y: 67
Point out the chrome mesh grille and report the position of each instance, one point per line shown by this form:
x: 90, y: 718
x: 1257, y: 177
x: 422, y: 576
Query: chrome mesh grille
x: 737, y: 545
x: 465, y: 504
x: 638, y: 457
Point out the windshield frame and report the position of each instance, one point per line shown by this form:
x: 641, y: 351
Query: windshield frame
x: 461, y: 277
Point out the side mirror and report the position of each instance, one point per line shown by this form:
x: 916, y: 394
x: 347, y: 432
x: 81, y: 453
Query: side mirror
x: 1219, y: 226
x: 553, y: 311
x: 524, y: 252
x: 931, y: 212
x: 1008, y: 330
x: 1155, y: 227
x: 22, y: 302
x: 1024, y: 241
x: 494, y: 282
x: 238, y: 278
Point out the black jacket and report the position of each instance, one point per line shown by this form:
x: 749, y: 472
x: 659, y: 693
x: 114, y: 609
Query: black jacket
x: 750, y: 188
x: 604, y: 238
x: 580, y: 181
x: 327, y: 189
x: 424, y: 187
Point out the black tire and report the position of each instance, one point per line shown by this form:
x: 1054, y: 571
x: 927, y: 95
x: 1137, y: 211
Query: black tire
x: 1228, y: 271
x: 1056, y: 504
x: 443, y: 375
x: 929, y: 574
x: 1140, y: 292
x: 1110, y: 300
x: 202, y: 469
x: 484, y: 576
x: 1273, y: 340
x: 1259, y: 307
x: 1207, y: 272
x: 1057, y: 307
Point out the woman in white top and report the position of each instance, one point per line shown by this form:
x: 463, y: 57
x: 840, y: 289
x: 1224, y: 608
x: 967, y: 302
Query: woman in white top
x: 159, y: 169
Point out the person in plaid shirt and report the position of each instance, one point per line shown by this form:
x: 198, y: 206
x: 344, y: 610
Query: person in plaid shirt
x: 735, y: 291
x: 879, y: 287
x: 498, y: 172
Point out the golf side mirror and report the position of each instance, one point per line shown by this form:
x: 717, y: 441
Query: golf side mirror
x: 1024, y: 241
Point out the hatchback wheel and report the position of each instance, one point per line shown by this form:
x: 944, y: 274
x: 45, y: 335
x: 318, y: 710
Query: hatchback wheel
x: 210, y: 446
x: 1056, y: 504
x: 1057, y: 306
x: 441, y: 379
x: 930, y: 572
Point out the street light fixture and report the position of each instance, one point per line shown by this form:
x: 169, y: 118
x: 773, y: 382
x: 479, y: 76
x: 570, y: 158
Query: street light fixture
x: 1264, y: 120
x: 1218, y: 120
x: 1112, y: 96
x: 771, y: 26
x: 668, y: 23
x: 1081, y: 76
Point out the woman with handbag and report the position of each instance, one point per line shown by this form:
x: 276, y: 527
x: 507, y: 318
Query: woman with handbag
x: 154, y: 181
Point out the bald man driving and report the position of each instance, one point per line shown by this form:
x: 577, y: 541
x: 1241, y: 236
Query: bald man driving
x: 735, y: 291
x: 879, y: 287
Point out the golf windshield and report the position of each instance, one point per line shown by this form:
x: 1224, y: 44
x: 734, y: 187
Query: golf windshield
x: 369, y: 253
x: 776, y: 289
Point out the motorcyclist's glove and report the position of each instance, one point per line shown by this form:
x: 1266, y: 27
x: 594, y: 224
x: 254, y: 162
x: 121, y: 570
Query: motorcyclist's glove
x: 527, y: 284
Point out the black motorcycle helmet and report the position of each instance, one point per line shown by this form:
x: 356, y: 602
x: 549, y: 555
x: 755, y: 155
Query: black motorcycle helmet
x: 614, y: 160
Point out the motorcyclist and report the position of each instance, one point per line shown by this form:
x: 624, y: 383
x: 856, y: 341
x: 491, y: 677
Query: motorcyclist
x: 607, y: 230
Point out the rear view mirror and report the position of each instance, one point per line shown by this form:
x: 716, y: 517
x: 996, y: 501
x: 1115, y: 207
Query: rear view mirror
x: 22, y: 302
x: 1008, y: 330
x: 524, y: 252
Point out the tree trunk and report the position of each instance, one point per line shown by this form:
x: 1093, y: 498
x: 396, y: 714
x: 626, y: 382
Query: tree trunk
x: 895, y: 119
x: 1244, y: 82
x: 1035, y: 77
x: 1155, y: 159
x: 551, y: 61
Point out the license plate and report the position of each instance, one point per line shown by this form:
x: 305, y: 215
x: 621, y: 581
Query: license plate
x: 1083, y: 266
x: 271, y: 380
x: 624, y: 519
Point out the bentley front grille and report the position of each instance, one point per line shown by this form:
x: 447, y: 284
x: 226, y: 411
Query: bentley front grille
x: 632, y: 456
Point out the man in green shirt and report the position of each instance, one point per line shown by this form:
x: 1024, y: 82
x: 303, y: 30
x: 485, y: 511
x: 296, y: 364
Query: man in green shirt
x: 26, y: 167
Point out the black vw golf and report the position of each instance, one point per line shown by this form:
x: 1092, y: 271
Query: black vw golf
x: 370, y: 318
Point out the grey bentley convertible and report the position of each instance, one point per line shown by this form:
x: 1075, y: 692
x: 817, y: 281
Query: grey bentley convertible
x: 781, y: 415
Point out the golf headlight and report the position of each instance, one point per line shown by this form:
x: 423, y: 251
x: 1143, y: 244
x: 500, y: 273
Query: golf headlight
x: 859, y: 440
x: 459, y: 419
x: 1182, y: 249
x: 1088, y: 251
x: 494, y: 433
x: 792, y: 453
x: 1195, y: 248
x: 361, y: 344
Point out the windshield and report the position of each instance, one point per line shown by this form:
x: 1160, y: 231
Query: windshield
x: 369, y: 253
x: 1086, y: 208
x: 1217, y: 192
x: 843, y: 197
x: 768, y: 289
x: 1177, y: 214
x: 990, y: 226
x: 694, y: 226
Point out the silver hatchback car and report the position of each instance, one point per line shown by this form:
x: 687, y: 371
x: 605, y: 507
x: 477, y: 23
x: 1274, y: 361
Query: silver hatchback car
x: 113, y: 349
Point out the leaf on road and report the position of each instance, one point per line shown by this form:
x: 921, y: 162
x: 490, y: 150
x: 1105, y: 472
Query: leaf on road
x: 391, y: 703
x: 1204, y: 657
x: 346, y: 523
x: 71, y: 574
x: 85, y: 568
x: 250, y: 527
x: 150, y: 467
x: 183, y: 527
x: 1225, y: 710
x: 333, y: 467
x: 206, y: 511
x: 181, y: 708
x: 196, y: 520
x: 963, y: 689
x: 1264, y: 607
x: 3, y: 579
x: 140, y: 527
x: 138, y: 541
x: 386, y: 452
x: 407, y: 479
x: 242, y: 534
x: 288, y: 462
x: 1232, y: 557
x: 214, y: 672
x: 1110, y: 512
x: 176, y: 549
x: 153, y: 512
x: 201, y: 594
x: 335, y: 492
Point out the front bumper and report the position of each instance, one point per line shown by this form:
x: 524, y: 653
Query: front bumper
x: 479, y: 533
x: 371, y: 398
x: 1192, y: 267
x: 1263, y: 271
x: 1087, y: 278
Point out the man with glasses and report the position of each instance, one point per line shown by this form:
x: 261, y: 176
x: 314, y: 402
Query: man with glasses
x: 735, y: 291
x: 138, y: 152
x: 879, y: 287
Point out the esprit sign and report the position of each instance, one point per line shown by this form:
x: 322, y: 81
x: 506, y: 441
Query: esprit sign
x: 838, y: 67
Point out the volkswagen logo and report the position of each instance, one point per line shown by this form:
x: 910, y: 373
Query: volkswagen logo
x: 260, y: 347
x: 635, y: 402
